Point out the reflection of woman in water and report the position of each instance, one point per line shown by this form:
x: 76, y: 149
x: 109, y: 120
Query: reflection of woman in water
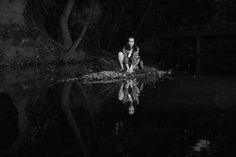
x: 129, y: 93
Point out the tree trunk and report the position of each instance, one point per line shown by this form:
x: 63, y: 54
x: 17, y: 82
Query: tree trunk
x: 79, y: 39
x: 65, y: 104
x: 72, y: 52
x: 67, y: 40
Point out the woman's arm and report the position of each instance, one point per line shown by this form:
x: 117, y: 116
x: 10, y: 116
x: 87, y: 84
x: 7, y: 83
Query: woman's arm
x: 137, y: 51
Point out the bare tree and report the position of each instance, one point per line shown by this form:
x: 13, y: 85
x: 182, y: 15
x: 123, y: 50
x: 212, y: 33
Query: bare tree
x: 69, y: 45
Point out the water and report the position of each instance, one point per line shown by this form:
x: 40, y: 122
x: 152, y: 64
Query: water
x: 40, y: 115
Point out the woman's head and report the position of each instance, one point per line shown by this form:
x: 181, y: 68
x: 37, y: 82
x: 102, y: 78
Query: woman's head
x: 131, y: 41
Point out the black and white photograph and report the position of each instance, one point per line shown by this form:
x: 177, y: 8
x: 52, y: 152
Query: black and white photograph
x: 117, y: 78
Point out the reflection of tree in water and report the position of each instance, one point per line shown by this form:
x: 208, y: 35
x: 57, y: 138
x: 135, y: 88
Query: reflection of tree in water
x: 129, y: 94
x: 49, y: 114
x: 74, y: 119
x: 94, y: 102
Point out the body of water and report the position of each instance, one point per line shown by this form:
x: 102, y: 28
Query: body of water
x: 185, y: 116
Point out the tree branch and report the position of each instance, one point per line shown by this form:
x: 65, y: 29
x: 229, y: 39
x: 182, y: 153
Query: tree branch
x: 67, y: 40
x: 79, y: 39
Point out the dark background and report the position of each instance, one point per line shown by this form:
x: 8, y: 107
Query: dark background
x: 166, y: 31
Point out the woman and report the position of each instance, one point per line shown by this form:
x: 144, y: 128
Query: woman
x: 129, y: 53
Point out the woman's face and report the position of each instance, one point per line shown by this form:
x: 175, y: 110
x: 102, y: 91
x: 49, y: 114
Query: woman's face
x: 131, y: 42
x: 131, y: 110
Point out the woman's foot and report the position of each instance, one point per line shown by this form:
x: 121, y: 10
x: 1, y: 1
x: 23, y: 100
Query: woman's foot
x: 130, y: 70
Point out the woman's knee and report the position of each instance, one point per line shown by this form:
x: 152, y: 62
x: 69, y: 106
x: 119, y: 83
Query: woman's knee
x: 120, y: 56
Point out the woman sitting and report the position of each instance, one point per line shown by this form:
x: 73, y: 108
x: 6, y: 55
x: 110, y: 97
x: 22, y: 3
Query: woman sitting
x: 129, y: 56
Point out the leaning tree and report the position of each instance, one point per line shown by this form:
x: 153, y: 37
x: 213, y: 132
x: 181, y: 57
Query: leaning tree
x: 48, y: 15
x: 69, y: 45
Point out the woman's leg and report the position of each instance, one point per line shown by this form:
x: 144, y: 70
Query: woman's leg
x: 121, y: 60
x: 134, y: 63
x: 121, y: 92
x: 127, y: 67
x: 131, y: 69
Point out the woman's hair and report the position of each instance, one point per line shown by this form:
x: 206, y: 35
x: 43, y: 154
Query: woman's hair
x: 131, y: 37
x: 127, y: 47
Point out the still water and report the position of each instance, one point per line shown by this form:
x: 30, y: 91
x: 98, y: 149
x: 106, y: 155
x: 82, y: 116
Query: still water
x: 185, y: 116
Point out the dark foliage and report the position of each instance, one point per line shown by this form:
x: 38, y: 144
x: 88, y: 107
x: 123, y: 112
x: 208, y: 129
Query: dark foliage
x: 115, y: 20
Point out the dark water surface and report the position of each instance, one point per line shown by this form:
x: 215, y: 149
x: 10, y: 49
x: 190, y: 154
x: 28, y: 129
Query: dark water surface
x: 183, y: 116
